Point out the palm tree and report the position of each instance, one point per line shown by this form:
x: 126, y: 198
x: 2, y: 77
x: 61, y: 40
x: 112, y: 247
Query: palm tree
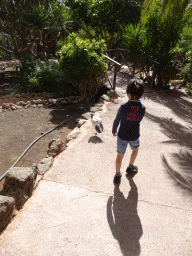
x: 163, y: 21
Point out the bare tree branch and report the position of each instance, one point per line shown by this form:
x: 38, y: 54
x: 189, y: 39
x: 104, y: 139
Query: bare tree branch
x: 4, y: 48
x: 36, y: 37
x: 11, y: 33
x: 34, y: 55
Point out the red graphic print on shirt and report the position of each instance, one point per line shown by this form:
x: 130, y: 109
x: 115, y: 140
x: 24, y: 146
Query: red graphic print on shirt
x: 134, y: 116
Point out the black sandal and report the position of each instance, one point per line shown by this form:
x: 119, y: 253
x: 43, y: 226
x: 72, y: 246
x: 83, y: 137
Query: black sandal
x: 132, y: 169
x: 117, y: 179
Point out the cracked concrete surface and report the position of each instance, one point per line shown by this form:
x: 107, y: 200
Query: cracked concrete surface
x: 76, y: 209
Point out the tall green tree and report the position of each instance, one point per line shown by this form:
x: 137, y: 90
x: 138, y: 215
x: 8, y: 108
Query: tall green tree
x: 39, y: 22
x: 162, y: 22
x: 102, y: 19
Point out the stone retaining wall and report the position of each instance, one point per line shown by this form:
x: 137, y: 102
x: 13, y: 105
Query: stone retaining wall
x: 9, y: 63
x: 19, y: 102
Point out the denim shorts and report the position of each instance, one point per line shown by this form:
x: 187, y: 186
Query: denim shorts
x: 122, y: 145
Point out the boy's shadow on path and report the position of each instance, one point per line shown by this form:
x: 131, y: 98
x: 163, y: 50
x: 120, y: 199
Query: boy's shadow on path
x: 124, y: 221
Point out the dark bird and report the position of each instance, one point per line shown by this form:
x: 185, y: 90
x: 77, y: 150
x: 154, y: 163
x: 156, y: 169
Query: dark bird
x: 97, y: 123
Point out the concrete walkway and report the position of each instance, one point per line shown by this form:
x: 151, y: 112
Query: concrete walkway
x: 76, y: 210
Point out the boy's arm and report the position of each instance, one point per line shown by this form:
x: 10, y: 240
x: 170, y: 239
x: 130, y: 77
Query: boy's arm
x: 116, y: 122
x: 143, y: 113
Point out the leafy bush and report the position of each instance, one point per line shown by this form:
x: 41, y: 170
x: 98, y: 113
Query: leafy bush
x: 44, y: 76
x: 155, y: 37
x: 133, y: 40
x: 84, y: 64
x: 183, y: 54
x: 184, y: 45
x: 186, y: 72
x: 26, y: 67
x: 162, y: 37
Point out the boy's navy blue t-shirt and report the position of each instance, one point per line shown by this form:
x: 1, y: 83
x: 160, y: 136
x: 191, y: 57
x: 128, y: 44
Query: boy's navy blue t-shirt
x: 129, y: 116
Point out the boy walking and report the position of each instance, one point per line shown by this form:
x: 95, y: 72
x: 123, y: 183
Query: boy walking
x: 129, y: 116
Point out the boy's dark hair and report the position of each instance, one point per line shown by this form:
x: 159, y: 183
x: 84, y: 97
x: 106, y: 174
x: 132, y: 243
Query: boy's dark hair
x: 136, y: 88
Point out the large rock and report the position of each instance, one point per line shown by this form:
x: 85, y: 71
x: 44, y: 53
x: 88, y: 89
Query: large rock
x: 52, y: 102
x: 105, y: 97
x: 56, y: 146
x: 75, y: 101
x: 17, y: 95
x: 74, y: 134
x: 95, y: 108
x: 39, y: 101
x: 102, y: 90
x: 124, y: 69
x: 86, y: 115
x: 40, y: 105
x: 80, y: 122
x: 21, y: 103
x: 44, y: 165
x: 13, y: 107
x: 112, y: 94
x: 63, y: 102
x: 7, y: 205
x: 5, y: 105
x: 19, y: 182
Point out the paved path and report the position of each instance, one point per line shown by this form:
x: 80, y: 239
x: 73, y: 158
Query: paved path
x: 77, y: 211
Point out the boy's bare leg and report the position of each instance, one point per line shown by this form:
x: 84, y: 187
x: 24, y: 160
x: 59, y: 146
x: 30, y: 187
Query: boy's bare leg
x: 118, y: 162
x: 133, y: 156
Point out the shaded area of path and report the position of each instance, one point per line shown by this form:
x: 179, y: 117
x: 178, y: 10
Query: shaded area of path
x: 176, y: 100
x: 76, y: 210
x: 178, y: 132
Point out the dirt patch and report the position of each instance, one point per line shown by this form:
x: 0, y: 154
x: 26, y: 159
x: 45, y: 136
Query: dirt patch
x: 20, y: 128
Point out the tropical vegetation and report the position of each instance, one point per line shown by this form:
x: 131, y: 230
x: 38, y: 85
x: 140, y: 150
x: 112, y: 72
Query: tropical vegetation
x: 156, y: 34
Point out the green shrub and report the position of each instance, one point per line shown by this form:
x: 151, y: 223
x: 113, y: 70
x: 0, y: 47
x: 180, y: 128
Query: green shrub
x: 44, y: 76
x: 26, y: 67
x: 184, y: 45
x: 186, y: 72
x: 183, y: 54
x: 84, y: 64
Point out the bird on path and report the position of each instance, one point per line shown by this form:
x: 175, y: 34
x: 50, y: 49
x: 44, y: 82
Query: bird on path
x: 97, y: 123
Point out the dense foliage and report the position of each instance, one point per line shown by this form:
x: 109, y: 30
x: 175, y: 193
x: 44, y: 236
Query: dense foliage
x: 39, y: 23
x: 43, y: 76
x: 156, y: 34
x: 103, y: 19
x: 84, y: 63
x: 155, y: 37
x: 183, y: 54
